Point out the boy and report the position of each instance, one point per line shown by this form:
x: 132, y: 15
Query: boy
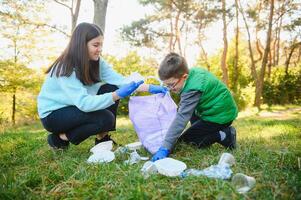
x: 205, y: 101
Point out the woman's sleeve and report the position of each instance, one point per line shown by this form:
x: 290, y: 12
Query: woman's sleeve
x: 108, y: 75
x: 78, y: 95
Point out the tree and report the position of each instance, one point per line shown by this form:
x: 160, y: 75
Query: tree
x: 100, y: 11
x: 205, y: 15
x: 164, y: 29
x: 73, y: 8
x: 21, y: 37
x: 224, y: 55
x: 235, y: 68
x: 259, y: 85
x: 13, y: 78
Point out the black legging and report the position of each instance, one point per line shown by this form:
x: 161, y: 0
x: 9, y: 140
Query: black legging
x: 79, y: 125
x: 202, y: 133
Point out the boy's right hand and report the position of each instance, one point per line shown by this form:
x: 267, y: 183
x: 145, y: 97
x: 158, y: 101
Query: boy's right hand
x: 160, y: 154
x: 155, y: 89
x: 128, y: 89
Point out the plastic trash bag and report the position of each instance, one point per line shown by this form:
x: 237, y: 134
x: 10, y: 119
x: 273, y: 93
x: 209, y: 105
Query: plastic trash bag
x: 151, y: 117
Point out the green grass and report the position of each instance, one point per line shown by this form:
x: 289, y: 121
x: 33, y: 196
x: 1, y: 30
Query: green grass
x: 269, y: 148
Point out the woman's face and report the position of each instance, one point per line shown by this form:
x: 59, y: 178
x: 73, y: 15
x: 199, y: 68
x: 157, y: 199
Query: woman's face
x: 95, y: 47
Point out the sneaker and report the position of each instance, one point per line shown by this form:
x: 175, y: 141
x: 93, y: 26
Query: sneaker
x: 230, y: 140
x: 104, y: 139
x: 56, y: 142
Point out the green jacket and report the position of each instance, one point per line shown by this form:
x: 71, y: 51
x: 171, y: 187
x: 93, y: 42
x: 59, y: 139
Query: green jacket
x: 216, y: 103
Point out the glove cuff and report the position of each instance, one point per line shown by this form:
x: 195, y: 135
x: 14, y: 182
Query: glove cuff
x: 150, y: 87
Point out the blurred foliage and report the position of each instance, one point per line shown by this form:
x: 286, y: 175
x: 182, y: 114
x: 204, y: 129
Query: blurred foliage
x: 25, y: 84
x: 133, y: 63
x: 282, y: 88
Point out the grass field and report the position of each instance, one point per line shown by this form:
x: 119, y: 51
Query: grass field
x: 269, y: 150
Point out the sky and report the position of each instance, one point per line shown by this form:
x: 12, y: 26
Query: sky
x: 120, y: 13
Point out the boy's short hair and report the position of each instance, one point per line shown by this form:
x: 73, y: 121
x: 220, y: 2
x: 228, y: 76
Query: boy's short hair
x: 173, y: 66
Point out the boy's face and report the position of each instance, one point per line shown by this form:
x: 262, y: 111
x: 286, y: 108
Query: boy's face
x: 175, y: 84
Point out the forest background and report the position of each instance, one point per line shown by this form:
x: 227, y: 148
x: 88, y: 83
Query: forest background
x: 257, y: 50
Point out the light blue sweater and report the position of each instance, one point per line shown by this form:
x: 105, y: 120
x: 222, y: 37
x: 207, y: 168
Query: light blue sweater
x: 59, y: 92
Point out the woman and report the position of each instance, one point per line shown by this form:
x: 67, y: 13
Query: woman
x: 80, y: 95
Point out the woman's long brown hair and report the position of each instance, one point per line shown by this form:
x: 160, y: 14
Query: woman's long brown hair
x: 76, y: 58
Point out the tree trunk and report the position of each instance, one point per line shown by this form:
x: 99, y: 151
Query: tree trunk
x: 270, y: 64
x: 288, y: 60
x: 74, y: 14
x: 171, y: 29
x: 224, y: 56
x: 100, y: 11
x: 13, y: 108
x: 73, y: 11
x: 204, y: 56
x: 259, y: 87
x: 253, y: 67
x: 235, y: 68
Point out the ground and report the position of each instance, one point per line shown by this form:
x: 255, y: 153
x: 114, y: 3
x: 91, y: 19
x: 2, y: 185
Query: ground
x: 269, y: 150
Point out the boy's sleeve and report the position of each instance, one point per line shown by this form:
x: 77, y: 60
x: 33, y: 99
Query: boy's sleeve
x: 188, y: 103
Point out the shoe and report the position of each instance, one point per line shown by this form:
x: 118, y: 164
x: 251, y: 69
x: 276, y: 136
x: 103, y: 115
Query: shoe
x: 230, y: 140
x: 56, y: 142
x: 104, y: 139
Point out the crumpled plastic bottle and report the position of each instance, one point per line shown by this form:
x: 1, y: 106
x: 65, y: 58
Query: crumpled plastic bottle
x: 214, y: 171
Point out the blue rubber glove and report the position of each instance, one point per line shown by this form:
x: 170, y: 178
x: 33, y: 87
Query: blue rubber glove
x: 160, y: 154
x: 128, y: 89
x: 155, y: 89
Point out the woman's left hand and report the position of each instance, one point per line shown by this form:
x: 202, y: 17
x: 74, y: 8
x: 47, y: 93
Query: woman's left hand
x: 155, y: 89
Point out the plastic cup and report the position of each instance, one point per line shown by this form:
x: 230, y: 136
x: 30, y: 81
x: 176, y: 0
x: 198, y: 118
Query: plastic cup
x: 227, y: 158
x: 243, y: 183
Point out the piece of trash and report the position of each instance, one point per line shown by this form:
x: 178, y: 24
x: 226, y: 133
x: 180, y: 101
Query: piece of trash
x: 135, y: 158
x: 135, y: 76
x: 170, y: 166
x: 101, y: 156
x: 243, y: 183
x: 227, y: 158
x: 134, y: 146
x: 108, y: 145
x: 148, y: 169
x: 222, y: 171
x: 121, y: 150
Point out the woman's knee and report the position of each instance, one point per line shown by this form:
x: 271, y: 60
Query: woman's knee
x: 106, y: 121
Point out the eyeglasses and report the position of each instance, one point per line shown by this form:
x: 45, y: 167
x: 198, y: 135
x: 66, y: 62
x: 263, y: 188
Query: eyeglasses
x: 173, y: 85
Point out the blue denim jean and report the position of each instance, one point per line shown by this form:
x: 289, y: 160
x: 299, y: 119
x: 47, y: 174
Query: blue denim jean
x: 79, y: 125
